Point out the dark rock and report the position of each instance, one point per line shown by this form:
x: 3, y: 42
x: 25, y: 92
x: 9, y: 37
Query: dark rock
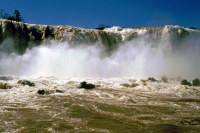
x: 129, y: 84
x: 196, y: 82
x: 59, y: 91
x: 85, y: 85
x: 26, y: 82
x: 152, y: 79
x: 185, y: 82
x: 5, y: 85
x: 44, y: 92
x: 41, y: 92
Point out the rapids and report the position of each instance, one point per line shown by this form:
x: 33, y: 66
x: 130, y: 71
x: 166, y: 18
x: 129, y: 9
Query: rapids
x: 54, y: 60
x: 115, y: 105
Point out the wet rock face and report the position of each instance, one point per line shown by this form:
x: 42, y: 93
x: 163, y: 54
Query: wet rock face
x: 18, y: 34
x: 23, y: 36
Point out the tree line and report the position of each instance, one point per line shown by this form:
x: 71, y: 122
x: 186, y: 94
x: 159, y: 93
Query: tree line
x: 16, y: 17
x: 102, y: 26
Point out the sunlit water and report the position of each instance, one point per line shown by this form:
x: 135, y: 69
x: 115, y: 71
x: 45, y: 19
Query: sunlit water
x: 114, y: 105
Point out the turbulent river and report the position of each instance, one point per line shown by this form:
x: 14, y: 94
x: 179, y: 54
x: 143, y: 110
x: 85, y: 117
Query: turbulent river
x: 114, y: 105
x: 40, y: 79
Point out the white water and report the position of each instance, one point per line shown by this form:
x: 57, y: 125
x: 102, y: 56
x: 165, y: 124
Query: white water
x: 141, y: 57
x: 114, y: 104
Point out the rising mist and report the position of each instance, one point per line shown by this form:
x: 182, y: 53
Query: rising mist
x: 140, y: 57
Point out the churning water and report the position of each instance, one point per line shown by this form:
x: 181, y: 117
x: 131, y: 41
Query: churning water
x: 115, y: 105
x: 123, y: 100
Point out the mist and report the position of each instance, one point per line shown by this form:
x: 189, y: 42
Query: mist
x: 139, y: 58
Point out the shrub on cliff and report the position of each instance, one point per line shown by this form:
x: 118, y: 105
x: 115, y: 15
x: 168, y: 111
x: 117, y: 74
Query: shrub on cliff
x: 192, y: 28
x: 196, y: 82
x: 102, y: 26
x: 16, y: 17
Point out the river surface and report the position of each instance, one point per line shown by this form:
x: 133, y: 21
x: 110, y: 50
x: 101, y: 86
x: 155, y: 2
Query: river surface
x: 113, y: 106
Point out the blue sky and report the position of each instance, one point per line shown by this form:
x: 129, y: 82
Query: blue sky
x: 91, y: 13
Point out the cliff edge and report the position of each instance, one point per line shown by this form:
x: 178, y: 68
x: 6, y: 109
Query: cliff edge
x: 17, y: 36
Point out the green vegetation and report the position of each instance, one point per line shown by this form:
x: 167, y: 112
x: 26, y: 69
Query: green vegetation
x: 102, y: 26
x: 192, y: 28
x: 16, y: 17
x: 26, y: 82
x: 196, y: 82
x: 185, y: 82
x: 152, y: 79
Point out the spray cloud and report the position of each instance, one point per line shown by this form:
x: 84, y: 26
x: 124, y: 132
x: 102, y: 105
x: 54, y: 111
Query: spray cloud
x: 141, y: 57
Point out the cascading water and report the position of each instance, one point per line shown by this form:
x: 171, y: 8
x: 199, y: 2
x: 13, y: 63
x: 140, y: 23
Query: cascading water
x: 118, y: 61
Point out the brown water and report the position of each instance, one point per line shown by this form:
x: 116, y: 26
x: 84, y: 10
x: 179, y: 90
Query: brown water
x: 112, y: 107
